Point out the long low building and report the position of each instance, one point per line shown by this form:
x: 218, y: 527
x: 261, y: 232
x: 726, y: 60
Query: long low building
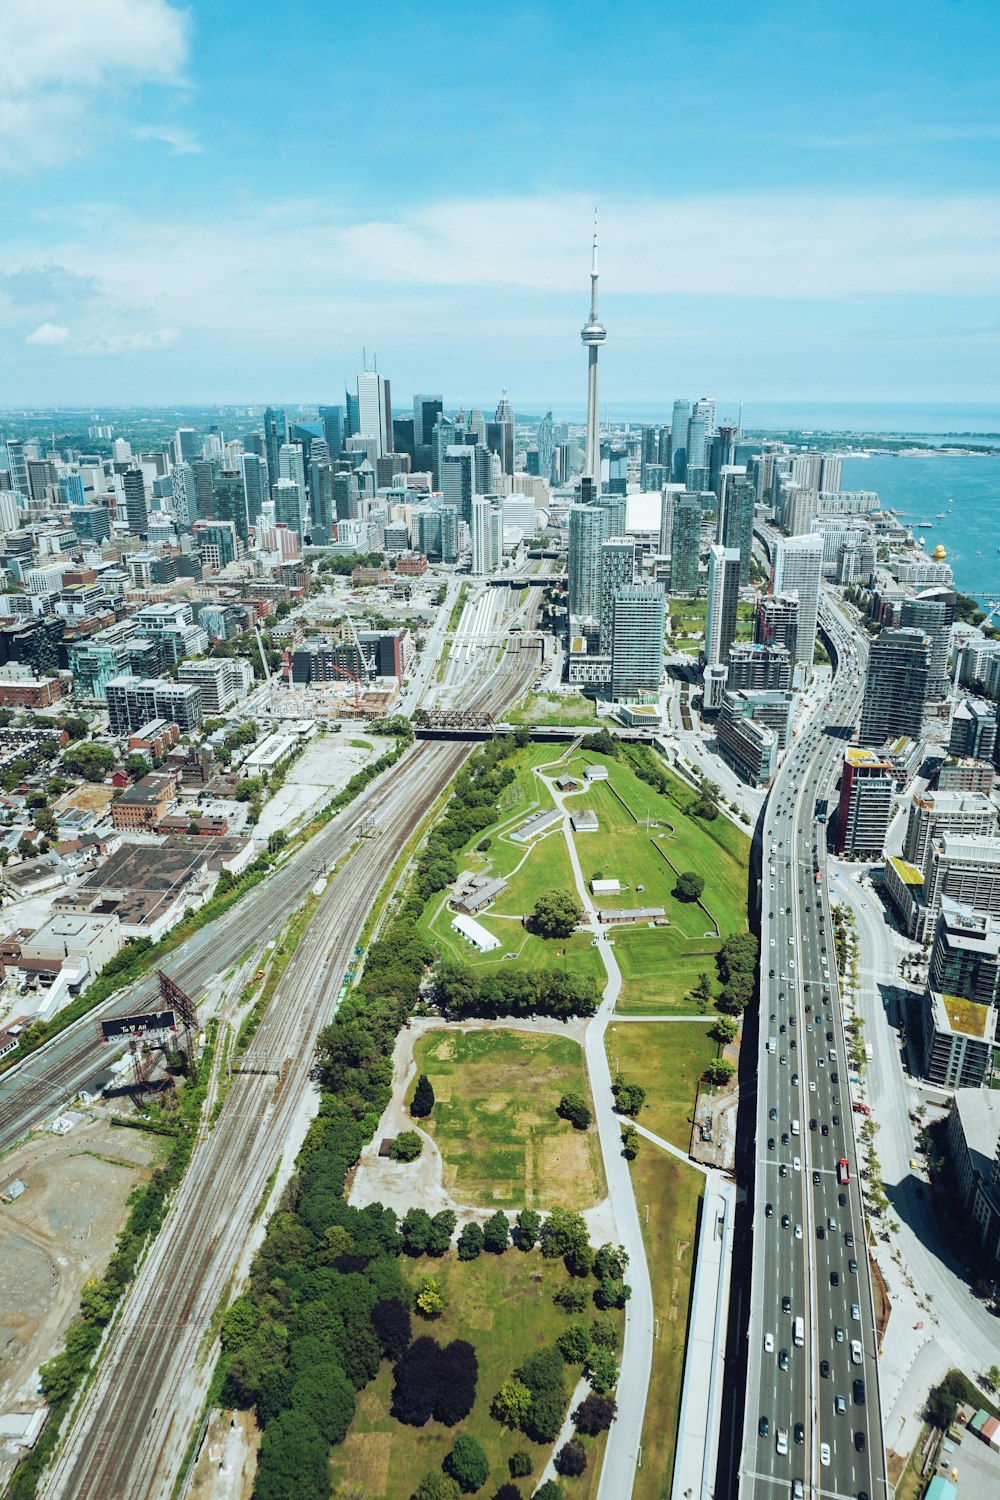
x: 474, y: 932
x: 539, y: 822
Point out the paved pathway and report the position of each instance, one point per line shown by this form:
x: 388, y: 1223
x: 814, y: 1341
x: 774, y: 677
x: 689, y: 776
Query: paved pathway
x: 658, y: 1140
x: 625, y: 1436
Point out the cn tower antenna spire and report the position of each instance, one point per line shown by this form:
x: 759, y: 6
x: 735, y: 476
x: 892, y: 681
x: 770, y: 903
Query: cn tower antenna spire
x: 593, y: 335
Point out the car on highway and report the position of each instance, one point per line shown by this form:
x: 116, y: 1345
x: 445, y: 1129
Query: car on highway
x: 763, y: 1426
x: 856, y: 1312
x: 786, y: 1304
x: 782, y: 1170
x: 820, y: 1232
x: 838, y: 1332
x: 781, y: 1442
x: 848, y: 1237
x: 800, y: 1433
x: 796, y: 1163
x: 855, y: 1351
x: 769, y: 1343
x: 795, y: 1080
x: 782, y: 1359
x: 824, y: 1369
x: 798, y: 1231
x: 859, y: 1441
x: 834, y: 1278
x: 839, y: 1405
x: 824, y: 1454
x: 770, y: 1143
x: 768, y: 1210
x: 852, y: 1266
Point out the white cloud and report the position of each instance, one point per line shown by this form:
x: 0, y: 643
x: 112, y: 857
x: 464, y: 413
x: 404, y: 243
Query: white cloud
x: 59, y: 58
x: 181, y: 142
x: 48, y: 333
x: 129, y: 342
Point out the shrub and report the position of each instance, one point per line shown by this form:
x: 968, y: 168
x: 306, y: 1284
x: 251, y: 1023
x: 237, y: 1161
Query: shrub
x: 511, y: 1402
x: 571, y: 1459
x: 407, y: 1146
x: 520, y: 1464
x: 574, y: 1108
x: 572, y: 1299
x: 602, y: 1370
x: 423, y: 1098
x: 437, y: 1486
x: 631, y: 1141
x: 430, y: 1298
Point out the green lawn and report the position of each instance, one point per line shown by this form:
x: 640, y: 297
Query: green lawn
x: 554, y: 708
x: 673, y: 1193
x: 575, y: 953
x: 660, y: 968
x: 546, y: 868
x: 503, y: 1306
x: 495, y: 1122
x: 667, y: 1059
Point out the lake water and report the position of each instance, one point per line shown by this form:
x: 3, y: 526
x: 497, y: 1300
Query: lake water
x: 964, y: 491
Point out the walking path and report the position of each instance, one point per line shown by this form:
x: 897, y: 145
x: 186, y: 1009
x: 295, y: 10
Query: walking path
x: 658, y: 1140
x: 625, y: 1436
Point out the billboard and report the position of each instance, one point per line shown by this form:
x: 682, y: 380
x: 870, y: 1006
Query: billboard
x: 155, y: 1023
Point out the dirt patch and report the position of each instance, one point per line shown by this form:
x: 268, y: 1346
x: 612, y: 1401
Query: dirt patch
x: 227, y: 1462
x: 59, y: 1234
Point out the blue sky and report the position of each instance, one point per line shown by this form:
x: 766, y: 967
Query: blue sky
x: 228, y: 203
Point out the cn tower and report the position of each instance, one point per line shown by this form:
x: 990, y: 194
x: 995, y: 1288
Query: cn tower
x: 593, y: 335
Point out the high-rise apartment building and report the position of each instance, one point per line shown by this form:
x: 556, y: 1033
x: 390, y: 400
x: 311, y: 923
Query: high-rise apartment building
x: 255, y: 487
x: 896, y: 686
x: 723, y: 597
x: 275, y: 434
x: 586, y: 533
x: 678, y: 440
x: 617, y: 570
x: 136, y: 508
x: 777, y: 621
x: 639, y: 612
x: 798, y: 565
x: 458, y: 479
x: 736, y: 513
x: 290, y: 505
x: 685, y: 543
x: 973, y: 729
x: 754, y: 668
x: 486, y: 527
x: 867, y: 787
x: 229, y: 498
x: 935, y: 813
x: 933, y: 612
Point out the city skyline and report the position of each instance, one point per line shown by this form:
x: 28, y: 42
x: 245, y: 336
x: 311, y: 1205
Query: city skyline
x: 200, y: 215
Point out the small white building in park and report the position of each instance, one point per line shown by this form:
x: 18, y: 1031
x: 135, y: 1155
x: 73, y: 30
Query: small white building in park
x: 474, y: 932
x: 596, y: 773
x: 606, y: 887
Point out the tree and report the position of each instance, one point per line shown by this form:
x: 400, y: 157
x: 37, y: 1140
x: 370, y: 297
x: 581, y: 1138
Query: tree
x: 45, y: 822
x: 574, y: 1108
x: 520, y: 1464
x: 549, y: 1491
x: 392, y: 1325
x: 437, y: 1486
x: 423, y: 1098
x: 527, y: 1224
x: 629, y: 1097
x: 467, y: 1464
x: 429, y: 1298
x: 572, y: 1299
x: 630, y: 1142
x: 689, y: 886
x: 407, y: 1146
x: 496, y: 1233
x: 416, y: 1230
x: 92, y: 762
x: 609, y: 1292
x: 991, y: 1379
x: 457, y: 1377
x: 508, y: 1491
x: 470, y: 1242
x: 556, y: 914
x: 604, y: 1333
x: 595, y: 1414
x: 511, y: 1402
x: 442, y: 1229
x: 571, y: 1459
x: 543, y: 1372
x: 574, y: 1344
x: 325, y: 1395
x: 602, y: 1370
x: 562, y: 1233
x: 293, y: 1462
x: 724, y: 1030
x: 136, y: 765
x: 719, y: 1071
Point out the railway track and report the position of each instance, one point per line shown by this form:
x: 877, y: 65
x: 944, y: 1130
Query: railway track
x: 130, y: 1432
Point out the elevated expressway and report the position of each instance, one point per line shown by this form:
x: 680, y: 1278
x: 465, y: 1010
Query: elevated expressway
x: 808, y: 1228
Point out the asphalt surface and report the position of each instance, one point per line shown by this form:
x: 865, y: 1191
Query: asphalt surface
x: 808, y: 1225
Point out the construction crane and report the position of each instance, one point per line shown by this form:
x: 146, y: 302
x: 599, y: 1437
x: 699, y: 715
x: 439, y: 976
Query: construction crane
x: 366, y: 668
x: 267, y: 670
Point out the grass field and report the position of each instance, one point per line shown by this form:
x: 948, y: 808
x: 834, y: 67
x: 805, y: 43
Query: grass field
x: 503, y: 1306
x: 495, y: 1122
x: 575, y: 953
x: 667, y: 1059
x: 660, y: 968
x: 554, y: 708
x: 546, y: 867
x: 673, y: 1192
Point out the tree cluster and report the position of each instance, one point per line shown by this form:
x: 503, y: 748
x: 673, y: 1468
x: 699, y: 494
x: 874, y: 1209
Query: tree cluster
x: 462, y: 991
x: 575, y: 1109
x: 431, y: 1380
x: 736, y: 962
x: 472, y: 807
x: 629, y: 1097
x: 556, y: 914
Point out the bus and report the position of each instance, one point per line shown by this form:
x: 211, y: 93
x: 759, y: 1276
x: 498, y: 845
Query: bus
x: 843, y: 1171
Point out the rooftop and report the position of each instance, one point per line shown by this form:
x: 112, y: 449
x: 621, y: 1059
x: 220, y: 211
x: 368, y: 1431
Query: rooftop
x: 908, y: 874
x: 966, y: 1015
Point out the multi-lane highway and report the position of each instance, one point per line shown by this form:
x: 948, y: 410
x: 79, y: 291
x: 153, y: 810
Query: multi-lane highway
x: 812, y: 1420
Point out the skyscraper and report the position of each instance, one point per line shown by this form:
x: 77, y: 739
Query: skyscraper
x: 332, y: 418
x: 867, y: 788
x: 798, y: 565
x: 933, y: 611
x: 375, y: 411
x: 723, y: 596
x: 737, y: 507
x: 896, y: 685
x: 593, y: 335
x: 136, y: 509
x: 678, y: 440
x: 617, y: 570
x: 503, y: 435
x: 637, y: 640
x: 685, y: 543
x: 696, y: 454
x: 777, y: 622
x: 458, y: 479
x: 426, y: 411
x: 486, y: 527
x: 586, y: 533
x: 545, y: 447
x: 230, y: 500
x: 275, y: 433
x: 290, y: 505
x: 254, y: 484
